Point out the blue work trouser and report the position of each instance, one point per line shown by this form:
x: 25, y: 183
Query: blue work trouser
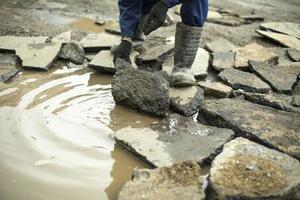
x: 193, y: 12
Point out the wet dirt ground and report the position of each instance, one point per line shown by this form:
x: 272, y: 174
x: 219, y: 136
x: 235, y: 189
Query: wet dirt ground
x: 56, y: 126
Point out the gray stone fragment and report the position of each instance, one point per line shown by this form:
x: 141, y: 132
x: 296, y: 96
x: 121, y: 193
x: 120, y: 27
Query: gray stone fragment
x: 274, y: 128
x: 114, y: 28
x: 223, y: 60
x: 103, y: 62
x: 201, y: 63
x: 11, y: 43
x: 243, y: 80
x: 186, y: 100
x: 174, y: 139
x: 74, y: 52
x: 181, y: 181
x: 215, y: 89
x: 155, y: 54
x: 38, y: 56
x: 274, y: 100
x: 296, y: 95
x: 294, y: 55
x: 248, y: 171
x: 280, y: 78
x: 7, y: 67
x: 140, y: 90
x: 285, y: 40
x: 63, y: 38
x: 253, y: 52
x: 99, y: 41
x: 220, y: 45
x: 288, y: 28
x: 228, y: 21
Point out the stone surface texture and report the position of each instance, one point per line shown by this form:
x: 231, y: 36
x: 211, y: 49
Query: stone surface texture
x: 243, y: 80
x: 140, y: 90
x: 11, y: 43
x: 215, y: 89
x: 274, y: 128
x: 99, y: 41
x: 280, y: 78
x: 38, y: 56
x: 220, y: 45
x: 155, y: 54
x: 201, y: 63
x: 186, y: 100
x: 74, y: 52
x: 253, y: 52
x: 294, y: 55
x: 181, y: 181
x: 247, y: 170
x: 288, y: 28
x: 223, y: 60
x: 7, y: 67
x: 174, y: 140
x: 296, y: 95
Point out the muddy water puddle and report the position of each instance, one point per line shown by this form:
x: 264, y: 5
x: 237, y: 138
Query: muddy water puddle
x: 56, y: 139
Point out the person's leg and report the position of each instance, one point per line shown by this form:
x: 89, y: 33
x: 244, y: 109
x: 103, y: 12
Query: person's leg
x: 130, y: 14
x: 187, y: 39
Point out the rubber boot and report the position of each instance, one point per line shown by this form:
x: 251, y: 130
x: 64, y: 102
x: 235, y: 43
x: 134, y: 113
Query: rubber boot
x: 187, y: 41
x: 139, y: 34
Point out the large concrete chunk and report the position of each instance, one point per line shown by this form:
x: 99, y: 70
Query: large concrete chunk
x: 288, y: 28
x: 173, y: 140
x: 285, y: 40
x: 274, y: 128
x: 247, y: 170
x: 7, y: 67
x: 274, y: 100
x: 220, y: 45
x: 215, y: 89
x: 223, y: 60
x: 11, y: 43
x: 201, y: 63
x: 103, y: 62
x: 140, y: 90
x: 38, y: 56
x: 280, y: 78
x: 243, y: 80
x: 99, y: 41
x: 74, y: 52
x: 181, y: 181
x: 253, y: 52
x: 186, y: 100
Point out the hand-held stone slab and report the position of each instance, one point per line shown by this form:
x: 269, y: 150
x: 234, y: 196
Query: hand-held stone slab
x: 99, y: 41
x: 273, y: 128
x: 246, y: 170
x: 174, y: 139
x: 243, y: 80
x: 181, y: 181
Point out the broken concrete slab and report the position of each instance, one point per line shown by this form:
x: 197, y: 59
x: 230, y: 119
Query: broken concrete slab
x: 271, y: 127
x: 38, y: 56
x: 294, y: 55
x: 254, y: 52
x: 223, y: 60
x: 243, y: 80
x: 63, y: 38
x: 285, y: 40
x: 214, y: 15
x: 181, y: 181
x: 252, y: 18
x: 220, y: 45
x: 280, y: 78
x: 114, y: 28
x: 215, y: 89
x: 155, y: 54
x: 201, y: 64
x: 186, y: 100
x: 296, y: 95
x: 247, y: 170
x: 274, y: 100
x: 140, y: 90
x: 228, y: 20
x: 287, y: 28
x: 11, y: 43
x: 103, y: 62
x: 7, y: 67
x: 73, y: 51
x: 174, y: 139
x: 99, y: 41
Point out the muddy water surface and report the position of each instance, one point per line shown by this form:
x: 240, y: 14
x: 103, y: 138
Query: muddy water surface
x: 56, y: 140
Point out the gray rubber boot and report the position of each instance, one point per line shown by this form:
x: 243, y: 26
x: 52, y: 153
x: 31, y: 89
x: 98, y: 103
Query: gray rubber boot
x: 139, y: 34
x: 187, y: 41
